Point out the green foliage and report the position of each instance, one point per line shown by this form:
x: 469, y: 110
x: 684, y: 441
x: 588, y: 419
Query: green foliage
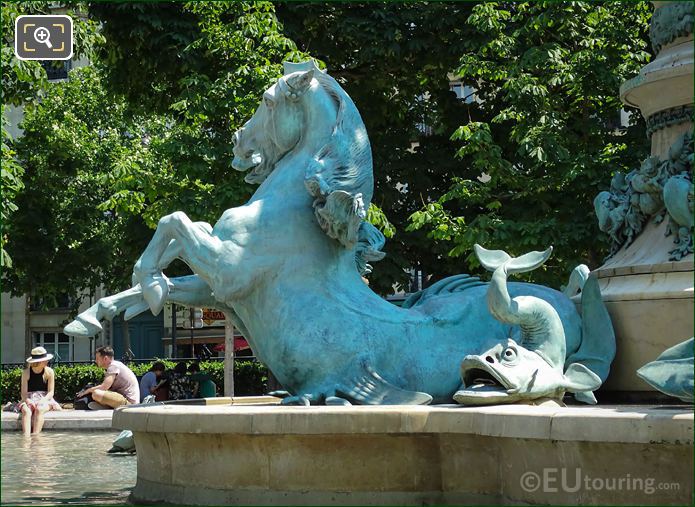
x: 80, y: 148
x: 378, y: 219
x: 203, y: 65
x: 541, y: 140
x: 12, y: 184
x: 250, y: 378
x: 10, y: 387
x: 546, y: 77
x: 144, y: 132
x: 393, y: 59
x: 24, y: 84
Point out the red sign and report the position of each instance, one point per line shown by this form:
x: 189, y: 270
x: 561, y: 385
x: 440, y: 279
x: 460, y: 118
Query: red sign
x: 212, y: 314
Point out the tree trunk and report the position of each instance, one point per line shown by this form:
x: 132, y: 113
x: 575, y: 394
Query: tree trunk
x: 126, y: 338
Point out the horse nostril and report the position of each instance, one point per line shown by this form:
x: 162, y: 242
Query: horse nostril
x: 489, y: 359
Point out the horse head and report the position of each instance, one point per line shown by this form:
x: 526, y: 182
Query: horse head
x: 275, y: 128
x: 307, y: 111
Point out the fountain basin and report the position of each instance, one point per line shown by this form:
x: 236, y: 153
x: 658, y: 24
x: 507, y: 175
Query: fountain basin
x: 377, y: 455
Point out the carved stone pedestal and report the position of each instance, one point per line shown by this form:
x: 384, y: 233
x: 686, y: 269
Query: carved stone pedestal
x: 650, y: 300
x: 649, y: 294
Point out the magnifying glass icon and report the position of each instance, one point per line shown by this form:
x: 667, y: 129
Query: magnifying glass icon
x: 43, y: 36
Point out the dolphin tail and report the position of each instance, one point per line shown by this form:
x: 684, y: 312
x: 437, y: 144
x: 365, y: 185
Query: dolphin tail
x: 493, y: 259
x: 597, y: 348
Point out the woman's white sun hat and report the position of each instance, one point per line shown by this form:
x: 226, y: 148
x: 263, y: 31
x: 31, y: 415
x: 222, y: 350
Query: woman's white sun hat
x: 38, y: 355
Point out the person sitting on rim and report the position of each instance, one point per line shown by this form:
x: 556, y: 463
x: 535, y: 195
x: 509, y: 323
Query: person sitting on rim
x: 180, y: 384
x: 119, y: 387
x: 149, y: 381
x: 37, y: 388
x: 203, y: 386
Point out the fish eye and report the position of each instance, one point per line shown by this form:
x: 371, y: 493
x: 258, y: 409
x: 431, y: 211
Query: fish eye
x: 269, y: 102
x: 509, y: 354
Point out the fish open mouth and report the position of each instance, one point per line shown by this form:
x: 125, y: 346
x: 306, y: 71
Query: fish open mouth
x: 479, y: 379
x: 482, y: 385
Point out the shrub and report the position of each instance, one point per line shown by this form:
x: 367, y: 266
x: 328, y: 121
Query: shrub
x: 250, y: 378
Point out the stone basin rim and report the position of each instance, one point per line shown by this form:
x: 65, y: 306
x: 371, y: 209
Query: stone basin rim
x: 607, y: 423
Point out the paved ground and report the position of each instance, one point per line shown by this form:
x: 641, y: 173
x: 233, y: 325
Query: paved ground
x: 65, y: 420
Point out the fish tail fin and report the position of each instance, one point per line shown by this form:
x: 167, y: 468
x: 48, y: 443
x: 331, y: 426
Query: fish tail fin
x: 493, y: 259
x: 597, y: 348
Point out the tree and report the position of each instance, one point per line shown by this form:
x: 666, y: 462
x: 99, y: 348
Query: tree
x: 546, y: 79
x: 394, y: 60
x: 544, y: 136
x: 106, y: 157
x: 205, y: 66
x: 23, y: 84
x: 78, y: 149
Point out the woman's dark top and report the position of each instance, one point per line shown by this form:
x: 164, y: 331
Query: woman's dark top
x: 36, y: 382
x: 180, y: 386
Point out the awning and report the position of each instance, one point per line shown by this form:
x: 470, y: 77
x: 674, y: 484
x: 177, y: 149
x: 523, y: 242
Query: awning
x: 239, y: 344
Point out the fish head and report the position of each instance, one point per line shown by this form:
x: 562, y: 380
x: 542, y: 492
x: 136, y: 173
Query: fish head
x: 511, y: 373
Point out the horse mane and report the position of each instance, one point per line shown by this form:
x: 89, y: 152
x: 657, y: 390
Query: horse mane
x: 340, y: 179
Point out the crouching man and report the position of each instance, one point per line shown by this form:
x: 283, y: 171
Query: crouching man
x: 119, y: 387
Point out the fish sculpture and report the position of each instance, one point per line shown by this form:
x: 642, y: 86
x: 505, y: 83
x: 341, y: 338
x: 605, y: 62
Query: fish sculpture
x: 673, y: 371
x: 535, y: 367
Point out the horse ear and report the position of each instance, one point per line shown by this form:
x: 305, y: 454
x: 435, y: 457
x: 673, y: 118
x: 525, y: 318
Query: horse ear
x: 300, y: 81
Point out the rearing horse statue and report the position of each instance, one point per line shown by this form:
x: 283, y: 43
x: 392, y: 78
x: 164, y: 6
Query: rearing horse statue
x: 286, y: 267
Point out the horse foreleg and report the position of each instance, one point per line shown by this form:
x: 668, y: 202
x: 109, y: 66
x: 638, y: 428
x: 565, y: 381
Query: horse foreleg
x: 174, y: 249
x: 88, y: 323
x: 184, y: 290
x: 191, y: 242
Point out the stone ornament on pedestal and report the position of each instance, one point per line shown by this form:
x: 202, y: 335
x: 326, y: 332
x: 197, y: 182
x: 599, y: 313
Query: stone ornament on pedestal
x: 647, y: 282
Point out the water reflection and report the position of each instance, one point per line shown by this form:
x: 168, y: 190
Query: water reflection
x: 64, y: 468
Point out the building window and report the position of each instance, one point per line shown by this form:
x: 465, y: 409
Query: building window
x: 56, y: 70
x: 62, y: 302
x: 59, y: 344
x: 463, y: 92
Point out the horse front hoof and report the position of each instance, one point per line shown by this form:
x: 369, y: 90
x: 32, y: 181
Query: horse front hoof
x: 155, y: 290
x: 79, y: 327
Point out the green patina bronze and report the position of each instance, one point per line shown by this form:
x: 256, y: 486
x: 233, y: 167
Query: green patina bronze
x: 658, y: 189
x: 672, y: 372
x: 286, y: 269
x: 537, y: 366
x: 670, y: 22
x: 669, y: 118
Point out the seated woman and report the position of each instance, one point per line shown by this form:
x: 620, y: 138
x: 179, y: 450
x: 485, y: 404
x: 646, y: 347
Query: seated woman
x: 37, y: 386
